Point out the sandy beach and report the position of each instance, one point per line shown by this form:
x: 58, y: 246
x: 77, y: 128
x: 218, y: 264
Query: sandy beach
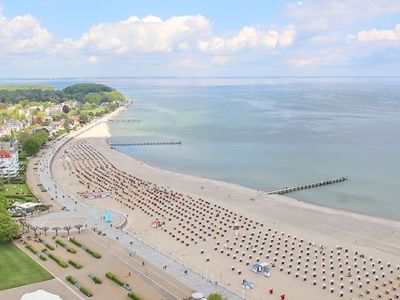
x: 313, y: 252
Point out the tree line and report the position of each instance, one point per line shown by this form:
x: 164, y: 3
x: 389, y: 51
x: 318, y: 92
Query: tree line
x: 82, y: 92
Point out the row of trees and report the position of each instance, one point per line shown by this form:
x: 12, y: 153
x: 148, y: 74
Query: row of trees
x: 85, y: 92
x: 31, y: 145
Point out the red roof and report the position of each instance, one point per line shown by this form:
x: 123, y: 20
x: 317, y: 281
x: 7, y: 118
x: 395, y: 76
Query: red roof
x: 5, y: 153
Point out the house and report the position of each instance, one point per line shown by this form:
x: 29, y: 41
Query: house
x: 13, y: 125
x: 9, y: 162
x: 56, y: 109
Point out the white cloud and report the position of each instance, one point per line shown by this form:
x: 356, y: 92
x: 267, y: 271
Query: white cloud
x: 376, y: 35
x: 321, y: 57
x: 220, y: 60
x: 328, y: 14
x: 93, y: 59
x: 249, y: 37
x: 140, y: 35
x: 22, y: 34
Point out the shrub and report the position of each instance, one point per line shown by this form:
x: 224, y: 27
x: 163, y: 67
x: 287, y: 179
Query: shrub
x: 133, y: 296
x: 95, y: 279
x: 114, y: 278
x: 51, y: 247
x: 71, y: 279
x: 82, y: 246
x: 74, y: 241
x: 65, y: 246
x: 61, y: 243
x: 75, y: 264
x: 42, y: 257
x: 60, y: 262
x: 93, y: 253
x: 74, y: 282
x: 85, y: 291
x: 30, y: 248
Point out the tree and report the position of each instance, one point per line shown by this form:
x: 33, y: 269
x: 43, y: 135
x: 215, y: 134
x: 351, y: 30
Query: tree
x: 78, y: 226
x: 68, y: 228
x: 215, y: 297
x: 56, y: 229
x: 31, y: 145
x: 84, y: 118
x: 65, y: 109
x: 45, y: 229
x: 8, y: 227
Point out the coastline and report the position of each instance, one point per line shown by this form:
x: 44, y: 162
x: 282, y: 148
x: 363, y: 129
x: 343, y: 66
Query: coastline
x: 330, y: 227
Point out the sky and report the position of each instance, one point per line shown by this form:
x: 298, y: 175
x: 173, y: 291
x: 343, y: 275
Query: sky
x: 99, y: 38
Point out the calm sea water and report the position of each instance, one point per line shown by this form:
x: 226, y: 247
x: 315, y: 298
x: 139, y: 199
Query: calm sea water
x: 272, y: 133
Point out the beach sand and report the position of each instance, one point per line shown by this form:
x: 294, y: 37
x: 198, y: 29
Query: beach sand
x: 363, y: 236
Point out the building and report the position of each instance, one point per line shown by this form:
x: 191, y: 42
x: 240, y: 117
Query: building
x: 9, y: 162
x: 11, y: 126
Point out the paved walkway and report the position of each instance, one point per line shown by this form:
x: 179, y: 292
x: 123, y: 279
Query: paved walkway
x: 74, y: 209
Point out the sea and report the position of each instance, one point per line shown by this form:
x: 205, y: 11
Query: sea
x: 268, y: 133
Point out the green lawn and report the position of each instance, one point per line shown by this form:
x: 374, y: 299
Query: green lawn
x: 17, y: 268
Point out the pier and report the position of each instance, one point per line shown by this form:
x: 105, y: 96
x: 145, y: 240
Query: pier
x: 112, y: 144
x: 131, y: 120
x: 307, y: 186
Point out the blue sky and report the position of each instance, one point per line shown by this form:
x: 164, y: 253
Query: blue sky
x: 60, y: 38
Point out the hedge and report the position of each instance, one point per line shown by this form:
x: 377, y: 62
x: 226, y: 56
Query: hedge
x: 114, y: 278
x: 60, y: 262
x: 71, y: 280
x: 133, y: 296
x: 95, y: 279
x: 30, y: 248
x: 66, y: 247
x: 51, y: 247
x: 42, y: 257
x: 88, y: 250
x: 75, y: 264
x: 86, y: 291
x: 74, y: 282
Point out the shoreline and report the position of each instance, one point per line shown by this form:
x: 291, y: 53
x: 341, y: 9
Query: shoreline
x: 324, y: 226
x: 288, y: 199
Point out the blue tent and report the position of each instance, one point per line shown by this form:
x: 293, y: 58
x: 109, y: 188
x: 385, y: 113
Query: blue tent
x: 108, y: 216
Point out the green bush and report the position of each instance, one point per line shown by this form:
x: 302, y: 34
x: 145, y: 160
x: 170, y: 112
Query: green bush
x: 93, y: 253
x: 71, y: 250
x: 60, y: 262
x: 61, y: 243
x: 65, y: 246
x: 133, y: 296
x: 71, y: 279
x: 97, y: 280
x: 51, y: 247
x: 82, y: 246
x: 85, y: 291
x: 75, y: 264
x: 30, y: 248
x: 74, y: 282
x: 42, y: 257
x: 75, y: 242
x: 114, y: 278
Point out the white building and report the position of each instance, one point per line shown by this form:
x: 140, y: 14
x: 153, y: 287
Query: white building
x: 9, y: 162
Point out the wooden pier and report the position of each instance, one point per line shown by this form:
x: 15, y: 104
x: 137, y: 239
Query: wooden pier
x: 307, y: 186
x: 132, y: 120
x: 113, y: 144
